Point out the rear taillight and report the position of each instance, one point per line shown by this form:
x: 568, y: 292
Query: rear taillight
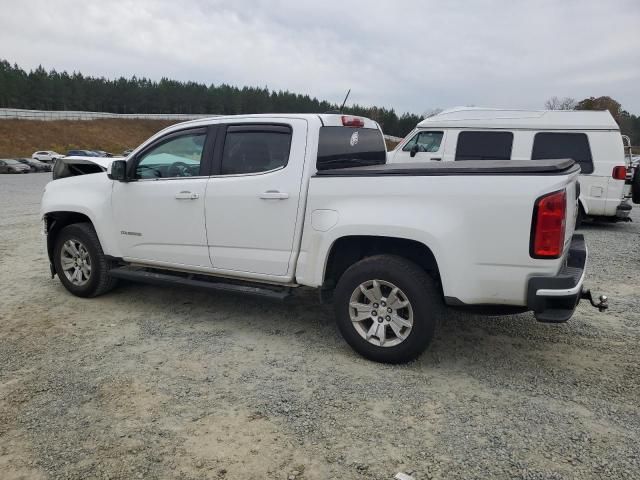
x: 349, y: 121
x: 547, y: 230
x: 619, y: 173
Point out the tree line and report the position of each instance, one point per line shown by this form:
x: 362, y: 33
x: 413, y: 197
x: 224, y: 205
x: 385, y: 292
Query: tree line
x: 40, y: 89
x: 52, y: 90
x: 629, y: 123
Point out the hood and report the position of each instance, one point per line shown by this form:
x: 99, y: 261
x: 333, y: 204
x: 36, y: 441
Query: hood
x: 72, y: 166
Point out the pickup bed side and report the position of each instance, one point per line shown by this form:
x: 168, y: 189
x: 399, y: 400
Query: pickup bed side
x: 477, y: 225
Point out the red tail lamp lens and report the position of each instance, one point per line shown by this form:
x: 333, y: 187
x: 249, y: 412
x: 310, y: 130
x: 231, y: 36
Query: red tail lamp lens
x: 549, y: 222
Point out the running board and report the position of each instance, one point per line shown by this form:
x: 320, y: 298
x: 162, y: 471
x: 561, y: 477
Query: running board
x: 198, y: 281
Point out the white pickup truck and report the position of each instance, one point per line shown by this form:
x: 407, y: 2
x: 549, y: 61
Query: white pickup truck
x: 264, y: 203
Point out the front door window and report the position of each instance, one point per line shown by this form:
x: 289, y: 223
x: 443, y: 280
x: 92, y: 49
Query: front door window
x: 179, y: 156
x: 426, y: 142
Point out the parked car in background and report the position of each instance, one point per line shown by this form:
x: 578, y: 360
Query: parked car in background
x: 48, y: 156
x: 591, y: 138
x: 82, y: 153
x: 102, y: 153
x: 35, y: 165
x: 10, y: 165
x: 127, y: 152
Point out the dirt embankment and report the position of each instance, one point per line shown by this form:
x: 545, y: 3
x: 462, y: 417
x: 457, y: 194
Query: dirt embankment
x: 20, y: 138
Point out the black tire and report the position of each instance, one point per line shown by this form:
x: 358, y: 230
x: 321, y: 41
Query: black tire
x: 635, y: 186
x: 418, y: 287
x: 581, y: 216
x: 99, y: 280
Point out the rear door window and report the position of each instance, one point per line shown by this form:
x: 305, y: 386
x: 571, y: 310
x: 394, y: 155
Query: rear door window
x: 255, y: 149
x: 547, y: 145
x: 342, y: 147
x: 484, y: 146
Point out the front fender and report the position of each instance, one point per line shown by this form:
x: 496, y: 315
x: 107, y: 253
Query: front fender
x: 89, y: 195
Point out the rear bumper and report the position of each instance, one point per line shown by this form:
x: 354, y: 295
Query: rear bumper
x: 554, y: 299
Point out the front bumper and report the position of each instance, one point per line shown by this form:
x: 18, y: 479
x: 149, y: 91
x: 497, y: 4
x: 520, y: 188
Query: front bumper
x: 554, y: 299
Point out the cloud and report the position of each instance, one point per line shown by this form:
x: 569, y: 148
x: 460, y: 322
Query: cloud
x: 411, y: 55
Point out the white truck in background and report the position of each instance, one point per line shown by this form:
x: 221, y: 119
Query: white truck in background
x: 591, y: 138
x: 263, y: 204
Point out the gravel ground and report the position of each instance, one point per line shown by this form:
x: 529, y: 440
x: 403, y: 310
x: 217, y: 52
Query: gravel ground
x: 153, y: 382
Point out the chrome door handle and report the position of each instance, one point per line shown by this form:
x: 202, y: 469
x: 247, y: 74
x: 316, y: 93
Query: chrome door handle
x: 274, y: 195
x: 187, y: 196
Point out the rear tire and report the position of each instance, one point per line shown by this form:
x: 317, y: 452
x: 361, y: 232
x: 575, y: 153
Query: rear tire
x: 635, y: 186
x: 384, y: 331
x: 581, y: 216
x: 80, y: 262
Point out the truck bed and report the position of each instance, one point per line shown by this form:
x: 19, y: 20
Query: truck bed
x: 462, y: 167
x: 474, y: 215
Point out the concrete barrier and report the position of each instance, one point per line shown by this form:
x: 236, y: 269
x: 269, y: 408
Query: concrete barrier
x: 21, y: 114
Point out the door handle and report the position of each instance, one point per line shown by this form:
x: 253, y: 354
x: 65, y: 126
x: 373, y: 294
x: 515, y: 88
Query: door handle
x: 435, y: 159
x: 184, y: 195
x: 274, y: 195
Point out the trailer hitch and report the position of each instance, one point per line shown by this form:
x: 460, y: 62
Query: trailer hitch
x: 601, y: 306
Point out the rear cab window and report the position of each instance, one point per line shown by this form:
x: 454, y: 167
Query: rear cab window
x: 548, y: 145
x: 343, y: 147
x: 478, y: 145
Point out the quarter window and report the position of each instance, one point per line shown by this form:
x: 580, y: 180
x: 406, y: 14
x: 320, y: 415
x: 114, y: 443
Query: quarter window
x: 179, y: 156
x: 484, y: 146
x: 426, y: 142
x: 255, y: 149
x: 548, y: 145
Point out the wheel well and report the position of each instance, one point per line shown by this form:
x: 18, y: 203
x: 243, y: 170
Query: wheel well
x: 56, y: 221
x: 348, y: 250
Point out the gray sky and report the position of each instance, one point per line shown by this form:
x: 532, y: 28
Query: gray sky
x: 409, y: 55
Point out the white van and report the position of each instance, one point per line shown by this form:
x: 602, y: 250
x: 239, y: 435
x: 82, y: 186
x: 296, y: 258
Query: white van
x: 591, y: 138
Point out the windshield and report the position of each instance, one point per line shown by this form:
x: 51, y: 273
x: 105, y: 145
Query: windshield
x: 12, y: 162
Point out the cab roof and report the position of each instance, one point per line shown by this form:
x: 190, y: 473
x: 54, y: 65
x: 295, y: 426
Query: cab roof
x: 473, y: 117
x: 327, y: 119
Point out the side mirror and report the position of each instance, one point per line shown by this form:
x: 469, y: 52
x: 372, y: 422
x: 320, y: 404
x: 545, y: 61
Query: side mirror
x: 415, y: 149
x: 117, y: 170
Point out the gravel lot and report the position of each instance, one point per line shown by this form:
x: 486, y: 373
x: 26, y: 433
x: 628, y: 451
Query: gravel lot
x: 153, y: 382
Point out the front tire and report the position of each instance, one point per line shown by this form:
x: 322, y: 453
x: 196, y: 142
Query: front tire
x: 387, y: 308
x: 80, y: 262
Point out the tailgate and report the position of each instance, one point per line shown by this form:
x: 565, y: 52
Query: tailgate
x: 573, y: 192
